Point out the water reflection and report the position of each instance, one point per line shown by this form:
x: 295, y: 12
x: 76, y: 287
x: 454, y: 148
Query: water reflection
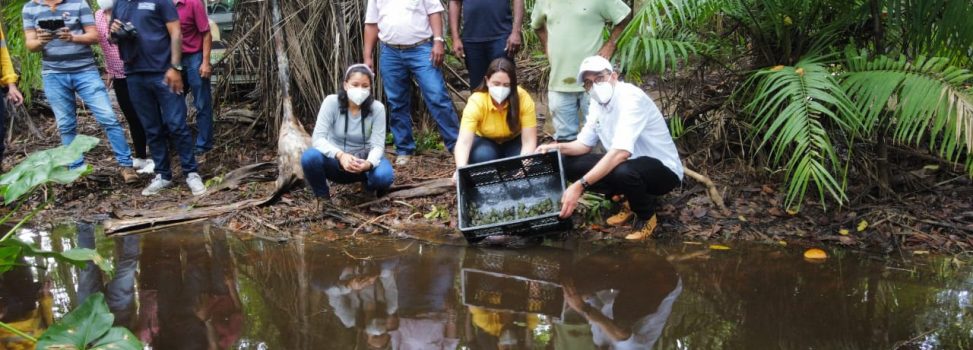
x: 196, y: 287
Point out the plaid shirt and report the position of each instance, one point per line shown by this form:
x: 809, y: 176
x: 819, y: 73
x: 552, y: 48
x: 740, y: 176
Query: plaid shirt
x: 113, y: 62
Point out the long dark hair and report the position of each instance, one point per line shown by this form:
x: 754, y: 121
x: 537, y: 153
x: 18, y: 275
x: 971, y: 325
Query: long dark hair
x: 505, y: 65
x: 366, y: 107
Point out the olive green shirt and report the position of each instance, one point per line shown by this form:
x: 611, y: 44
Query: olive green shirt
x: 574, y: 31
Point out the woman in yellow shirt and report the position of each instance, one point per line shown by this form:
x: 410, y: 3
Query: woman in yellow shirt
x: 497, y: 124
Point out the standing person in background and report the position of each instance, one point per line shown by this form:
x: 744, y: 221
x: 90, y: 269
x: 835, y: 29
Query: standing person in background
x: 69, y: 71
x: 153, y: 65
x: 8, y: 81
x: 115, y: 79
x: 571, y: 31
x: 489, y: 32
x: 412, y: 46
x: 197, y: 42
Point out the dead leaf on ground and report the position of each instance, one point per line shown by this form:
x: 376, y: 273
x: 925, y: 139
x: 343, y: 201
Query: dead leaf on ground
x: 775, y: 212
x: 699, y: 212
x: 767, y: 189
x: 718, y: 247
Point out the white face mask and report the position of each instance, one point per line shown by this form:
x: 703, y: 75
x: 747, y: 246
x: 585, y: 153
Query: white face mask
x: 376, y: 327
x: 499, y: 93
x: 106, y: 4
x: 358, y: 95
x: 602, y: 92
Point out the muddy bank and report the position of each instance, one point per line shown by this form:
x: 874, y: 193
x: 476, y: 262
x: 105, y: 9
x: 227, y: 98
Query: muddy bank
x: 932, y: 214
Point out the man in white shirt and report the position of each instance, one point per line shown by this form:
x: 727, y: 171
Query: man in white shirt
x: 642, y: 161
x: 412, y: 46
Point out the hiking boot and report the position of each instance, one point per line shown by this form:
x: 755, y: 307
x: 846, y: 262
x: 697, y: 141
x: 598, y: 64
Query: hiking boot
x: 623, y: 216
x: 129, y: 175
x: 402, y: 159
x: 643, y: 228
x: 195, y: 184
x: 148, y: 167
x: 157, y: 185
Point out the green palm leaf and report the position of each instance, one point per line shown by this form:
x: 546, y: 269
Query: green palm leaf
x: 793, y: 108
x: 926, y: 98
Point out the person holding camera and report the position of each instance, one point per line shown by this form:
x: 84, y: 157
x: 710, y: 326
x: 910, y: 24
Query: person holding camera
x: 8, y: 82
x: 64, y: 30
x: 115, y: 79
x: 150, y: 41
x: 348, y: 143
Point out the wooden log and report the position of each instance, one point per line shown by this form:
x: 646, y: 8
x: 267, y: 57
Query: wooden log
x: 711, y: 190
x: 292, y: 140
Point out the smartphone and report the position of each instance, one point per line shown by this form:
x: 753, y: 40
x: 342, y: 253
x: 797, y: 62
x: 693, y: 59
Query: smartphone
x: 51, y: 24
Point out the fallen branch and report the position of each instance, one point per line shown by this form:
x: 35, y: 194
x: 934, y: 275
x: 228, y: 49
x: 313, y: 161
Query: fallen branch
x: 712, y: 191
x: 171, y: 217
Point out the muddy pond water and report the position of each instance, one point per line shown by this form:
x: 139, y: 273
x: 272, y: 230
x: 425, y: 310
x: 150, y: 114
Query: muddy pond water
x: 200, y: 287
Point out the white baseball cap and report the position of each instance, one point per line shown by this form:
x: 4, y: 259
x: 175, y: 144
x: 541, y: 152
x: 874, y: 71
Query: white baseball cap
x: 593, y: 64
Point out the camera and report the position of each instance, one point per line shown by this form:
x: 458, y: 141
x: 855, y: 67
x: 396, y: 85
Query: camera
x: 125, y: 33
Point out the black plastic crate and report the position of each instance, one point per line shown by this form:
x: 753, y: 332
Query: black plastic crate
x: 511, y: 185
x: 520, y: 281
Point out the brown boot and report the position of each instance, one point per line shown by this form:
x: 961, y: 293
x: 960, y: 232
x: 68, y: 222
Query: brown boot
x: 623, y: 216
x: 129, y: 175
x: 643, y: 228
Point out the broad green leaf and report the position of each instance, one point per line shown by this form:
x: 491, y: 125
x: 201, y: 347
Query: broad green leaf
x: 76, y: 256
x: 80, y: 327
x: 8, y: 257
x: 118, y: 338
x: 46, y: 166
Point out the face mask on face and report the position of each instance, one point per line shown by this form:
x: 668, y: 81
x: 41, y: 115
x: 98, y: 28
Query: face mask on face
x: 376, y: 327
x: 106, y: 4
x: 602, y: 92
x: 358, y: 95
x: 499, y: 93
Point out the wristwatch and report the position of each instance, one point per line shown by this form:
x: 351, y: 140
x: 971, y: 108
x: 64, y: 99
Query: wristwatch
x: 439, y: 39
x: 177, y: 67
x: 584, y: 183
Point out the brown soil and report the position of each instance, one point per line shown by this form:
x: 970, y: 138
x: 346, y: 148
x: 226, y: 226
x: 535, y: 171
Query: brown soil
x: 933, y: 213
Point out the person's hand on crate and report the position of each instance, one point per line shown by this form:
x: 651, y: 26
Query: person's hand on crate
x: 570, y: 198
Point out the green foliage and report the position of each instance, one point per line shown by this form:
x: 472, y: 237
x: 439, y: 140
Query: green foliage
x: 658, y: 38
x: 28, y: 62
x: 925, y: 98
x: 46, y: 166
x: 594, y: 206
x: 428, y: 141
x: 437, y: 213
x: 792, y: 108
x: 88, y: 327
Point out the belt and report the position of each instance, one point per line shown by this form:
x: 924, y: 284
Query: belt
x: 409, y: 46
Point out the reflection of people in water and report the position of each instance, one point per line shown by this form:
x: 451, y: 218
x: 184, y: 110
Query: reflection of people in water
x: 501, y: 330
x: 24, y: 305
x: 365, y: 296
x: 426, y: 318
x: 120, y: 291
x: 187, y: 292
x: 625, y: 298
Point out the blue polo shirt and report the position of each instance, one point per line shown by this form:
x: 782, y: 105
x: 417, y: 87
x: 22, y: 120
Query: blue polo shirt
x: 486, y: 20
x: 61, y: 56
x: 151, y: 51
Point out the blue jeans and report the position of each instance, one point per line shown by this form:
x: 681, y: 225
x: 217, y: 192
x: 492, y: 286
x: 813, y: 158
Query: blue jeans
x: 202, y: 100
x: 318, y: 169
x: 479, y: 55
x: 397, y: 67
x: 163, y: 116
x: 565, y: 109
x: 485, y: 150
x: 60, y: 89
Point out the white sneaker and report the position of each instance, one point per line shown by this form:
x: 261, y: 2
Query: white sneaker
x: 195, y: 184
x: 402, y: 159
x: 138, y: 163
x: 148, y: 167
x: 157, y: 185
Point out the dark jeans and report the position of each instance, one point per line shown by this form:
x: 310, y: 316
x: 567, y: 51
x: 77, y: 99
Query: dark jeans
x: 3, y: 124
x: 202, y: 100
x: 640, y: 180
x: 485, y: 150
x: 318, y: 169
x: 163, y: 115
x: 479, y: 55
x: 134, y: 124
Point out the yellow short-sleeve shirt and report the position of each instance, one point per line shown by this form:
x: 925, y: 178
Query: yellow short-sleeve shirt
x: 488, y: 121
